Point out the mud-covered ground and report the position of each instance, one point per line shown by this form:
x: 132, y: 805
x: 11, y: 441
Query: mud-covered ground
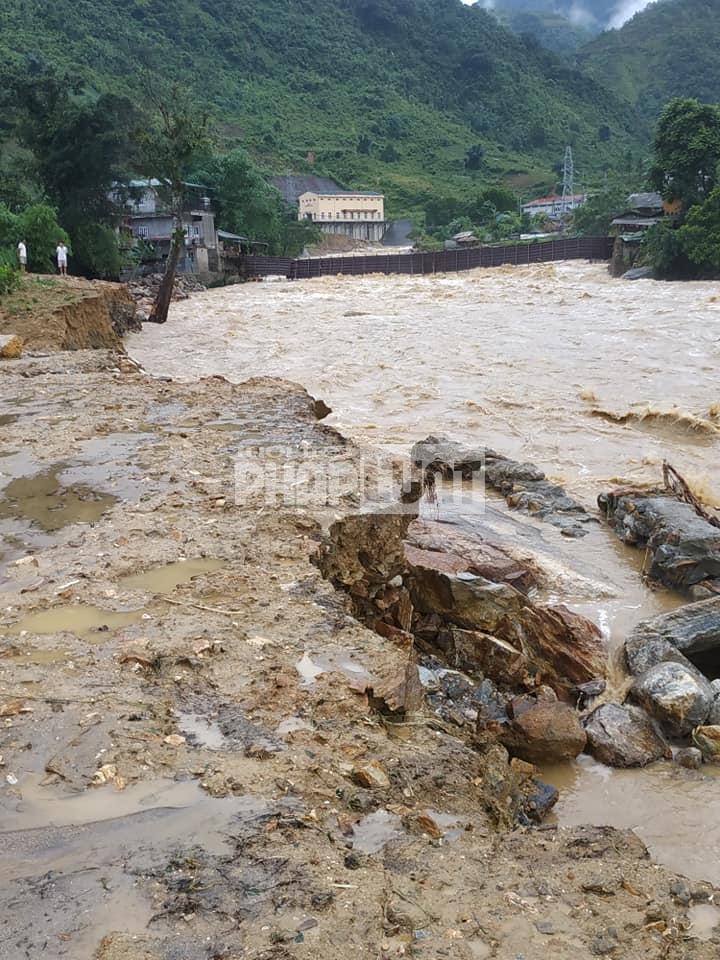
x: 196, y: 762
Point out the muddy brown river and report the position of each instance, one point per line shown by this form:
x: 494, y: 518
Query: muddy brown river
x: 596, y: 380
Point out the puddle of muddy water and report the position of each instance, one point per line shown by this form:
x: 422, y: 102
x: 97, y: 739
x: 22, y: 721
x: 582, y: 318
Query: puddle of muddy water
x: 292, y: 725
x: 669, y: 808
x: 705, y: 919
x: 201, y: 731
x: 165, y: 578
x: 44, y: 500
x: 65, y: 859
x: 82, y: 620
x: 375, y: 830
x: 310, y: 669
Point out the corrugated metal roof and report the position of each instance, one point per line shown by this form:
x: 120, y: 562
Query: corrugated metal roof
x: 645, y: 201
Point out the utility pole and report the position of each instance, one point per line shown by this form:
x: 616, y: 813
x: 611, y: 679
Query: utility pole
x: 568, y: 191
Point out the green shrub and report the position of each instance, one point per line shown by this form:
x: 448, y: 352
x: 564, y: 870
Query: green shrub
x: 9, y: 278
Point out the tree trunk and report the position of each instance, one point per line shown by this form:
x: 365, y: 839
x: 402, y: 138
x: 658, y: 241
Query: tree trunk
x: 159, y: 312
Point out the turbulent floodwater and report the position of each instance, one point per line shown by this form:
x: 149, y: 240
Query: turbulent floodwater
x: 596, y: 380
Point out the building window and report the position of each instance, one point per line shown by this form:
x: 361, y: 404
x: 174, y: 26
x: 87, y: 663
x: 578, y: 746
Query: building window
x: 196, y: 229
x: 143, y: 232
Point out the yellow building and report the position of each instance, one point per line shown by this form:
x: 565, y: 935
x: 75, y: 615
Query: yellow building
x: 339, y: 207
x: 355, y: 213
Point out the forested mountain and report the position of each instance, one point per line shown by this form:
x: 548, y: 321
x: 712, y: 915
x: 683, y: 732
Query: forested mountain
x: 409, y: 96
x: 669, y: 50
x: 563, y: 25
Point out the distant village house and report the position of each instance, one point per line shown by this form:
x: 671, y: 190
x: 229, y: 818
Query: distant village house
x: 146, y: 216
x: 554, y: 208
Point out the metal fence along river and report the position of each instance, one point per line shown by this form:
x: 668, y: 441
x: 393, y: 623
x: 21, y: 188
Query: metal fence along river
x: 438, y: 261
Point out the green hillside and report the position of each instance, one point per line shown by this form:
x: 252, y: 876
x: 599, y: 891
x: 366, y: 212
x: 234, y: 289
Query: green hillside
x: 413, y: 97
x: 669, y: 50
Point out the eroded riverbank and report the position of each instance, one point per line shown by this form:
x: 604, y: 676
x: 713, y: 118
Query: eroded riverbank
x: 201, y: 779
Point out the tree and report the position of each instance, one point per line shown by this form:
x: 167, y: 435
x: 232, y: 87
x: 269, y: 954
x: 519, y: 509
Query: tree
x: 594, y: 217
x: 176, y: 135
x: 661, y: 247
x: 699, y: 236
x: 686, y: 151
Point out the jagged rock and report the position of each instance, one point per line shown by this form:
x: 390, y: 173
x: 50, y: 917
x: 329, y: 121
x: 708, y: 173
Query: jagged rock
x: 713, y: 717
x: 563, y: 647
x: 397, y: 690
x: 449, y: 458
x: 504, y: 474
x: 370, y: 774
x: 436, y: 547
x: 545, y: 732
x: 684, y: 549
x: 707, y: 740
x: 642, y: 653
x: 11, y: 346
x: 678, y: 698
x: 624, y: 736
x: 491, y: 656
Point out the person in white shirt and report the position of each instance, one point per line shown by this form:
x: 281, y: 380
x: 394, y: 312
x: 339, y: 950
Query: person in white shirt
x: 22, y: 255
x: 61, y: 252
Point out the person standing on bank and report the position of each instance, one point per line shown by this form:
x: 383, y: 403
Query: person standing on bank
x: 22, y: 255
x: 61, y: 252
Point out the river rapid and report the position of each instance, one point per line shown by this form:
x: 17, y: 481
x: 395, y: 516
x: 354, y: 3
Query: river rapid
x: 595, y: 380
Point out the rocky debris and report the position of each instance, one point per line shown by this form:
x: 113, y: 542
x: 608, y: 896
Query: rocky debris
x: 144, y: 290
x: 562, y: 647
x: 540, y: 729
x: 371, y: 775
x: 683, y: 548
x: 707, y: 740
x: 624, y: 736
x: 524, y: 485
x: 11, y: 346
x: 679, y: 698
x: 396, y: 691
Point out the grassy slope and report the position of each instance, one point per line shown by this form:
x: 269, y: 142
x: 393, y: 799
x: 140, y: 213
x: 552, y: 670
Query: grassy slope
x: 429, y: 77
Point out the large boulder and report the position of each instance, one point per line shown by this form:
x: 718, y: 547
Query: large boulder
x: 677, y: 697
x: 624, y: 736
x: 545, y: 732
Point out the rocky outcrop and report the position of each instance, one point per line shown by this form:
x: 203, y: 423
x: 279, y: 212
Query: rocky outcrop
x: 562, y: 647
x: 683, y: 548
x: 524, y: 485
x: 624, y: 736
